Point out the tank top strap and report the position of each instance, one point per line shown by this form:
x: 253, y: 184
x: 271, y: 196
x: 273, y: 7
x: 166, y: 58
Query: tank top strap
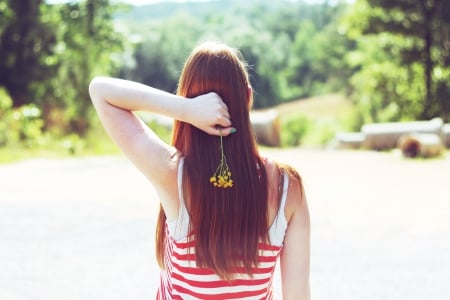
x: 285, y: 191
x: 180, y: 180
x: 179, y: 227
x: 278, y: 228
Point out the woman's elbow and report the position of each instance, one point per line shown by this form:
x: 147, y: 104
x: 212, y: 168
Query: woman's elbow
x: 95, y: 88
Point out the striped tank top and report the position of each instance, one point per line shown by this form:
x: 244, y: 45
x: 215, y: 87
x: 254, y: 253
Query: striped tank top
x: 182, y: 279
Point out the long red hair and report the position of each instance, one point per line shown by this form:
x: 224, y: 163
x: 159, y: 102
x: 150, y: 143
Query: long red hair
x: 227, y: 223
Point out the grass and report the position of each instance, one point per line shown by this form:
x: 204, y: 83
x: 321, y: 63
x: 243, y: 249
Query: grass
x: 96, y: 143
x: 333, y: 106
x: 313, y: 122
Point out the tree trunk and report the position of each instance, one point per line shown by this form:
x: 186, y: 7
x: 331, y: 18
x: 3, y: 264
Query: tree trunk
x: 428, y: 13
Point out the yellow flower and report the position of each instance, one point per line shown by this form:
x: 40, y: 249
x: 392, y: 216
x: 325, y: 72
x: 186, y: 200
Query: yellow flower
x: 222, y: 176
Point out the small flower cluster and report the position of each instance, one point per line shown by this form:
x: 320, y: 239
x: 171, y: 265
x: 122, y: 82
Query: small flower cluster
x: 222, y: 176
x: 222, y: 180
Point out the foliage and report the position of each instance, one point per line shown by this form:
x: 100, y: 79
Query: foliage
x: 270, y: 35
x: 63, y: 46
x: 160, y: 54
x: 5, y: 116
x: 316, y: 66
x: 26, y: 43
x: 314, y: 122
x: 391, y: 57
x: 301, y: 130
x: 86, y: 46
x: 22, y: 135
x: 51, y: 52
x: 294, y: 130
x: 384, y: 91
x: 163, y: 131
x: 20, y: 125
x: 402, y: 59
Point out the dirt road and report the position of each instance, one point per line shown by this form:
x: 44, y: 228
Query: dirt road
x: 84, y: 228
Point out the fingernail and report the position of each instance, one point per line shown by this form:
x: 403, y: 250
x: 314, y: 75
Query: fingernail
x: 233, y: 130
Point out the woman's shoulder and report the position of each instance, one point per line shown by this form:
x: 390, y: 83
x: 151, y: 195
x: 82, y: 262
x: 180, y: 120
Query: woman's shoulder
x: 280, y: 168
x: 168, y: 187
x: 295, y: 190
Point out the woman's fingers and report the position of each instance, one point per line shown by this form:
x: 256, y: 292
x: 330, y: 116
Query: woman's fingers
x: 224, y: 110
x: 223, y: 131
x: 223, y: 120
x: 228, y: 131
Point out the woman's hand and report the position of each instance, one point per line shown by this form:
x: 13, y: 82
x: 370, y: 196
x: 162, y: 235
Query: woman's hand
x: 208, y: 113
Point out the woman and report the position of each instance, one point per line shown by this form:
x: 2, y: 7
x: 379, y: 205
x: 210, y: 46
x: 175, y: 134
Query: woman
x: 227, y: 214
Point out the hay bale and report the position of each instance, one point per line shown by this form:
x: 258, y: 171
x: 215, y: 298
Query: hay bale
x: 421, y: 145
x: 446, y: 135
x: 349, y: 140
x: 381, y: 136
x: 266, y: 126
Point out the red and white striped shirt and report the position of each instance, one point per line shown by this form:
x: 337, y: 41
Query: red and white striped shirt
x: 183, y: 279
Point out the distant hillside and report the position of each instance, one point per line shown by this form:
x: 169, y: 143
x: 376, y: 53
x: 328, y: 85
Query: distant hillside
x: 163, y: 10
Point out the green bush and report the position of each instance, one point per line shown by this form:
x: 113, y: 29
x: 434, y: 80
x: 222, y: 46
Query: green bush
x: 294, y: 130
x: 321, y: 133
x: 5, y: 116
x: 22, y: 125
x: 28, y: 119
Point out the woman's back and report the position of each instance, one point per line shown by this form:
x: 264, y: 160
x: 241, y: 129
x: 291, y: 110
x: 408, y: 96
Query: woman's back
x: 182, y: 278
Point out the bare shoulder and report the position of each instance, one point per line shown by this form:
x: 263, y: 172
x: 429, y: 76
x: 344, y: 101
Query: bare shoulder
x: 167, y: 186
x: 296, y: 198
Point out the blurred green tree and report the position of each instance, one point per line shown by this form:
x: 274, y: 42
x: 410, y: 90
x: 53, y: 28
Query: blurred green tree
x: 383, y: 89
x: 5, y: 14
x: 50, y: 52
x: 316, y: 65
x: 87, y: 45
x: 414, y: 35
x: 160, y: 53
x: 286, y: 60
x: 25, y: 44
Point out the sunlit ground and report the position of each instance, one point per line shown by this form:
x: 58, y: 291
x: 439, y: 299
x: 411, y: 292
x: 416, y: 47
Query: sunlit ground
x: 84, y: 228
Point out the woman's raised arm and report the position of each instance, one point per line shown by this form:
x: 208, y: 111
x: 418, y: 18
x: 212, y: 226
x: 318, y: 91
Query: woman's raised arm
x: 115, y: 101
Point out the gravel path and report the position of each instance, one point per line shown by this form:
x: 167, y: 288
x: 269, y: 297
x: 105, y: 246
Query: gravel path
x: 84, y: 228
